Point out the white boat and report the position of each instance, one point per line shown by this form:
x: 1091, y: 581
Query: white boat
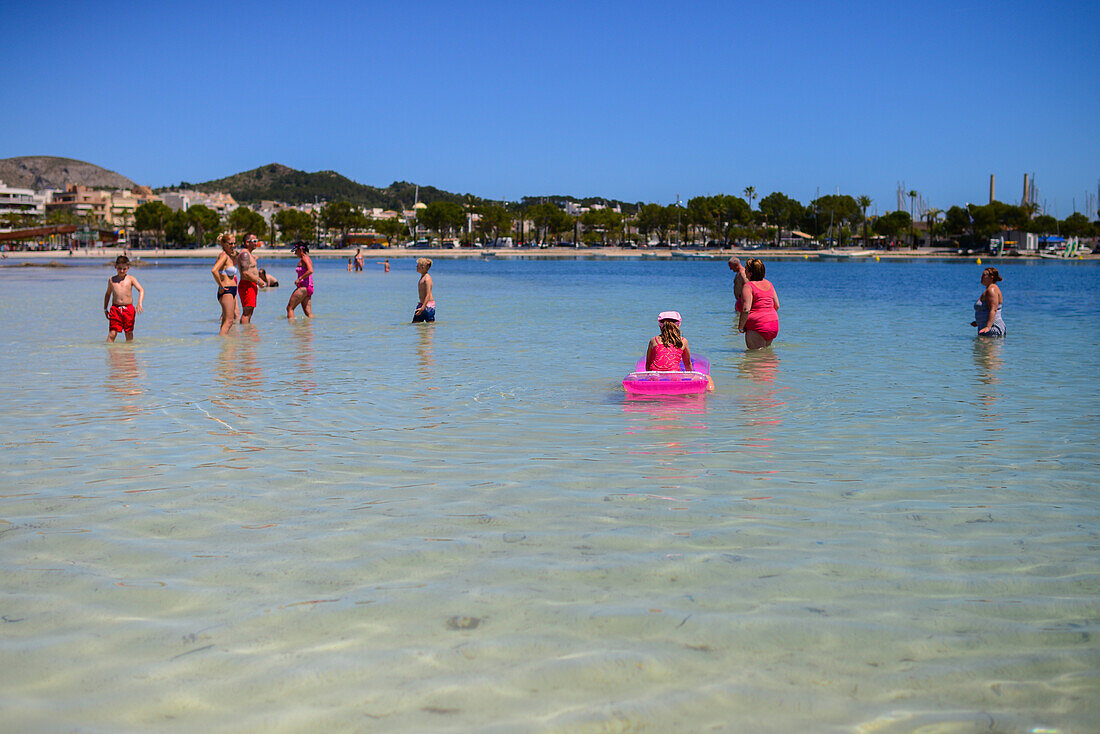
x: 1072, y: 249
x: 843, y: 254
x: 692, y: 255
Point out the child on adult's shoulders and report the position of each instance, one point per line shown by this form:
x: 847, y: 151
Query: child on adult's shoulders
x: 118, y: 301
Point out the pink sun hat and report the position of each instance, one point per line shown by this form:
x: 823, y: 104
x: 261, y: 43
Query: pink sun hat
x: 668, y: 316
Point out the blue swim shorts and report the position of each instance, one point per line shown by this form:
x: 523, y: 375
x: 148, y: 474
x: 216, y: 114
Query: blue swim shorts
x: 428, y: 314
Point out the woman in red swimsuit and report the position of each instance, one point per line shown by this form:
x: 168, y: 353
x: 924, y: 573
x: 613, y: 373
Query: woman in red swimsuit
x: 759, y: 308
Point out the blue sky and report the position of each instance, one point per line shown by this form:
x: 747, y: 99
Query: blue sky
x: 638, y: 101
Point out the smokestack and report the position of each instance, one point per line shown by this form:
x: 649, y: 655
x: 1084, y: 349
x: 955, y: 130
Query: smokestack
x: 991, y: 188
x: 1025, y: 201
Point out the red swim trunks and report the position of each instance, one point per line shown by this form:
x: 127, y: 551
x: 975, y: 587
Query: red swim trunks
x: 247, y: 291
x: 121, y: 318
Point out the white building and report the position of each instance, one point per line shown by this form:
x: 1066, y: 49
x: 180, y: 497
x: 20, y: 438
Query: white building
x: 184, y: 199
x: 176, y: 200
x: 22, y: 201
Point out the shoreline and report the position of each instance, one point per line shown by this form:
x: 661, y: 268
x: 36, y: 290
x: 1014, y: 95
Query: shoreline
x: 591, y: 253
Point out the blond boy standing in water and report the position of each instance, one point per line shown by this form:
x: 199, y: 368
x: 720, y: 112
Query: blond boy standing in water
x: 118, y: 301
x: 425, y: 307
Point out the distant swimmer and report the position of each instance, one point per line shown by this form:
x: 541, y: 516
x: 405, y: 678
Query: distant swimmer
x: 250, y: 282
x: 118, y: 301
x: 225, y: 275
x: 385, y: 265
x: 669, y: 349
x: 759, y: 308
x: 266, y: 277
x: 358, y: 259
x: 425, y: 306
x: 987, y: 309
x: 303, y: 283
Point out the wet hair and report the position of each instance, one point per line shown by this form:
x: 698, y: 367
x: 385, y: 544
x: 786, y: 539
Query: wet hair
x: 122, y: 260
x: 224, y: 237
x: 426, y: 262
x: 754, y: 268
x: 992, y: 273
x: 670, y: 334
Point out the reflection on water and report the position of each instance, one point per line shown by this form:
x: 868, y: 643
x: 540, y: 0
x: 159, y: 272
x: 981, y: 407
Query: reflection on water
x: 124, y: 379
x: 301, y: 331
x: 760, y: 365
x: 988, y: 358
x: 426, y: 375
x: 664, y: 407
x: 238, y: 370
x: 763, y: 401
x: 425, y: 352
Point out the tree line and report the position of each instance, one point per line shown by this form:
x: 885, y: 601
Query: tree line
x: 708, y: 220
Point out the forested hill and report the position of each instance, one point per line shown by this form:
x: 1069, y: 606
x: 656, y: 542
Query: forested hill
x: 277, y: 182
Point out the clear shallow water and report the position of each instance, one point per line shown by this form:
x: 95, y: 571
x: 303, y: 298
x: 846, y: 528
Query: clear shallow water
x: 356, y: 523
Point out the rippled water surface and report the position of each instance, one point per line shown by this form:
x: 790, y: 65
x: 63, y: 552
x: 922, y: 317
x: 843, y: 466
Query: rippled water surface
x: 879, y: 525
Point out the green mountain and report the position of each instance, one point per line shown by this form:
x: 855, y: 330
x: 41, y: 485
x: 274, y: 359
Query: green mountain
x: 277, y: 182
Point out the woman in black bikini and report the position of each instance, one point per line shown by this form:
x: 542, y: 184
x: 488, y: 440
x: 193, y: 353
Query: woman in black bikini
x: 225, y: 275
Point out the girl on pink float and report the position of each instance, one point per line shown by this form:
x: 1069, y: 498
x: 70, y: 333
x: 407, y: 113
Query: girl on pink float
x: 669, y: 348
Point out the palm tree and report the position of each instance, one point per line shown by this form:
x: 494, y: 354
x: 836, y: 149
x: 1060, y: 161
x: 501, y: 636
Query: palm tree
x: 750, y: 194
x: 931, y: 216
x: 912, y: 232
x: 863, y: 202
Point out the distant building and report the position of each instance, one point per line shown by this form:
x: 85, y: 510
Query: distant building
x: 82, y: 202
x: 144, y: 195
x: 110, y: 208
x: 268, y: 209
x: 575, y: 209
x: 22, y: 201
x: 123, y: 205
x: 184, y: 199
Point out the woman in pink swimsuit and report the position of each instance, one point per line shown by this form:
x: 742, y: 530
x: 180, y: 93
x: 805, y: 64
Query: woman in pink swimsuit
x: 759, y: 308
x: 303, y: 284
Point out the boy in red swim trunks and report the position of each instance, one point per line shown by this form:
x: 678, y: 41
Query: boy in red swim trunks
x: 118, y: 301
x: 250, y: 278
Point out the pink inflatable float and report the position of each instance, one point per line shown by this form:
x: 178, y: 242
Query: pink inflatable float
x: 650, y: 382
